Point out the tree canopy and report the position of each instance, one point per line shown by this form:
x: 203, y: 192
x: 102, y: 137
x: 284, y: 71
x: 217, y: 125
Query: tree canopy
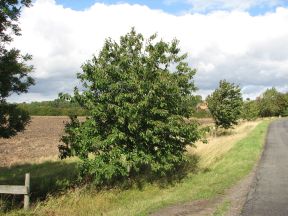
x: 14, y: 70
x: 272, y: 103
x: 138, y: 93
x: 10, y: 11
x: 225, y: 104
x: 250, y: 110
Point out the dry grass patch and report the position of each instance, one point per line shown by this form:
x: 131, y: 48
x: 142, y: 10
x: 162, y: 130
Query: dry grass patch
x: 216, y: 147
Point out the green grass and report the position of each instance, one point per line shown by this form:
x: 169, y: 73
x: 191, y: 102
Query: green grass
x: 224, y: 173
x: 46, y: 178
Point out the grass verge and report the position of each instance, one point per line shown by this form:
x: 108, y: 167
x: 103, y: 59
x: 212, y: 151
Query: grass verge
x: 46, y: 178
x: 221, y: 175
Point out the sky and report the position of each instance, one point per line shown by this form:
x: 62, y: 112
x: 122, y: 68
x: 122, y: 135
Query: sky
x: 244, y: 42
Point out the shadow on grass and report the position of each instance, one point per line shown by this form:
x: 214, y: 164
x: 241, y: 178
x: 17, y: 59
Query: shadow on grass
x: 46, y: 178
x: 146, y: 176
x: 54, y: 177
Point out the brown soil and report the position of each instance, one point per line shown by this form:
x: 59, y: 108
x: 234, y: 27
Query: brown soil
x: 39, y: 140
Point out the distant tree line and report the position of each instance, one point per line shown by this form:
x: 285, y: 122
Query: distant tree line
x: 226, y: 105
x: 56, y: 107
x: 270, y: 103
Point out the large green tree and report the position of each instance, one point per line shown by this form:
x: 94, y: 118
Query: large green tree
x: 138, y: 93
x: 14, y: 69
x: 225, y: 104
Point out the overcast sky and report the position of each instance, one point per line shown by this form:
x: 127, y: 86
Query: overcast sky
x: 245, y: 42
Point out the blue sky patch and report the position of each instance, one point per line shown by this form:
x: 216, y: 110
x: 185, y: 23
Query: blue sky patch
x: 174, y: 7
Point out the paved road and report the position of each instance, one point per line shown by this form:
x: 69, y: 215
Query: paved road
x: 269, y: 193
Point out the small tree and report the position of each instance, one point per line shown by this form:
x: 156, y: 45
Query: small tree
x: 250, y: 110
x: 14, y: 71
x: 137, y: 108
x: 225, y: 104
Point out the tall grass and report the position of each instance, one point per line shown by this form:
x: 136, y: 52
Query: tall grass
x: 46, y: 178
x: 220, y: 175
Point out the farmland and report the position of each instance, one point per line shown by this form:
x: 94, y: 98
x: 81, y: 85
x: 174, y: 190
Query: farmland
x: 38, y: 142
x: 223, y: 162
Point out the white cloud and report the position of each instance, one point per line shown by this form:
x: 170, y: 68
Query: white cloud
x: 212, y: 5
x: 249, y: 50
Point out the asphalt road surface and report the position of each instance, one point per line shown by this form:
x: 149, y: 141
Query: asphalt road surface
x: 269, y: 193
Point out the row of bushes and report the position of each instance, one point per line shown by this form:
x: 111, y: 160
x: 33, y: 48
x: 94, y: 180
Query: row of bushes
x: 53, y: 108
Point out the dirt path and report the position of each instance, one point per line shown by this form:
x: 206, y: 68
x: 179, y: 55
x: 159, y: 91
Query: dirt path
x: 236, y: 196
x: 269, y: 194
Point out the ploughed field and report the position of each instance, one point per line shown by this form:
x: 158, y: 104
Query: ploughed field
x: 38, y: 142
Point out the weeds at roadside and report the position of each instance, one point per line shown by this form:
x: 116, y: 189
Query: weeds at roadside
x: 222, y: 209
